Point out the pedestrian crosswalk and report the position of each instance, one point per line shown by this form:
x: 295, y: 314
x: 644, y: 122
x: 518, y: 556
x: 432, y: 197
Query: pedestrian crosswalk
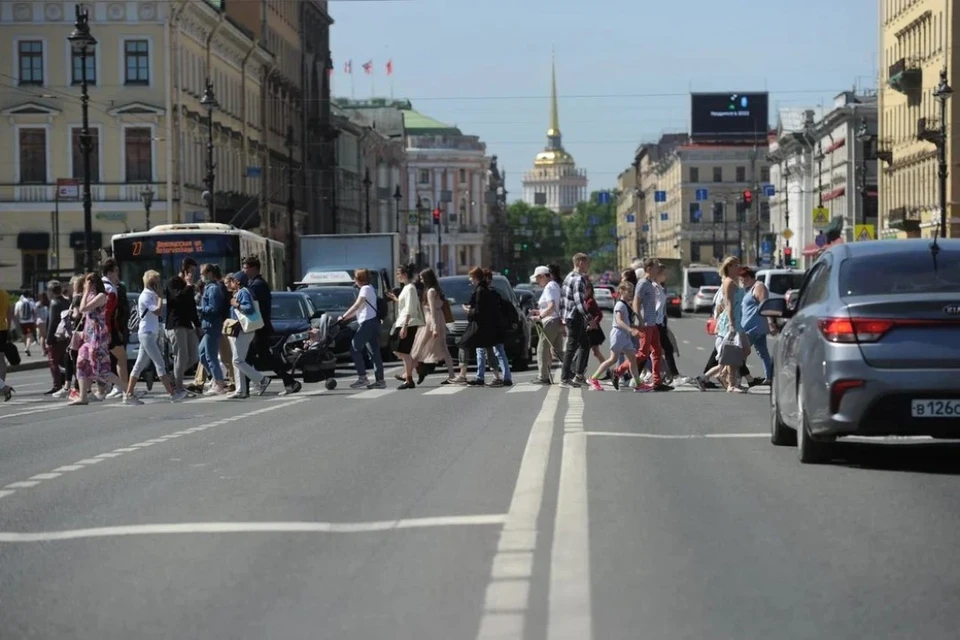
x: 39, y: 404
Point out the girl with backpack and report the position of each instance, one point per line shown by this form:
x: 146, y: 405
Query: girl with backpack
x: 621, y: 340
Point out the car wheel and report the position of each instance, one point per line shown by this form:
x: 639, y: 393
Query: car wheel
x: 809, y: 451
x: 780, y: 434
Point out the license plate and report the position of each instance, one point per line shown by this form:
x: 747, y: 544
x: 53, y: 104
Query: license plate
x: 935, y: 409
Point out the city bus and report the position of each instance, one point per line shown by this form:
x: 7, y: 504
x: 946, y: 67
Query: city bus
x: 165, y: 246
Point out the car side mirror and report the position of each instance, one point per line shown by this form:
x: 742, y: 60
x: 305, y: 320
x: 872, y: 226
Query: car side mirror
x: 775, y: 308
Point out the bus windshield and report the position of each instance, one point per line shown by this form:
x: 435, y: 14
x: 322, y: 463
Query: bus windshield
x: 165, y: 254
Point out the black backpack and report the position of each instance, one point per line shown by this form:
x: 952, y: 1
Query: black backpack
x: 507, y: 311
x: 226, y: 296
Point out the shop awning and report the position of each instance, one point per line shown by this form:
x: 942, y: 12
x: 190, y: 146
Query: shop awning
x: 76, y: 240
x: 812, y: 249
x: 833, y: 195
x: 33, y: 241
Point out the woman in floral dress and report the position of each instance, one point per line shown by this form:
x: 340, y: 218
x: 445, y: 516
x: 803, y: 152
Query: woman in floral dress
x: 93, y: 358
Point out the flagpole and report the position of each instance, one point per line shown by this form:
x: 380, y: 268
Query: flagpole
x: 373, y: 81
x: 353, y: 93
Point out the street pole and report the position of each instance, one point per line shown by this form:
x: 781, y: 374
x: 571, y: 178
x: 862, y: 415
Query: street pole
x: 366, y: 194
x: 440, y: 244
x: 786, y: 202
x: 942, y: 93
x: 147, y: 197
x: 209, y: 101
x: 419, y: 208
x: 397, y: 196
x: 83, y: 42
x: 291, y: 207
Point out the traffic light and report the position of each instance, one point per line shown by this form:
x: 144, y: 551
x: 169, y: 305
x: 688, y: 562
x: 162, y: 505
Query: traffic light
x: 525, y: 246
x: 436, y: 216
x: 747, y: 197
x: 788, y: 257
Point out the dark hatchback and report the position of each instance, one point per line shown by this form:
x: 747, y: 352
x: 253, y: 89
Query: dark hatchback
x: 292, y: 314
x: 458, y: 290
x: 335, y: 301
x: 674, y: 305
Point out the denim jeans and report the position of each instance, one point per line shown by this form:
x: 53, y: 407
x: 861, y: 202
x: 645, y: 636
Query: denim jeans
x: 367, y: 338
x: 501, y: 353
x: 759, y: 343
x: 210, y: 354
x: 149, y: 352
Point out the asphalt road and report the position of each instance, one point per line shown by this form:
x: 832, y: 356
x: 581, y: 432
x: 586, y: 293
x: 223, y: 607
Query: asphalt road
x: 533, y: 513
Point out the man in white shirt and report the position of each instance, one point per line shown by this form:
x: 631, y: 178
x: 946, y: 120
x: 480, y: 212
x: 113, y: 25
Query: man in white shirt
x: 548, y: 314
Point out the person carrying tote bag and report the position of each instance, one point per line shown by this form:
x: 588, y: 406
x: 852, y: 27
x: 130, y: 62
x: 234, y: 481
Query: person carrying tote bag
x: 246, y: 312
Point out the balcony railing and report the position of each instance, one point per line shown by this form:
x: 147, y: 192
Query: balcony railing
x: 904, y: 75
x: 99, y: 192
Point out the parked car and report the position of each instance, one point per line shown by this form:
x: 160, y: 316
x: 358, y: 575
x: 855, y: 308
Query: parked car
x: 871, y: 347
x: 528, y: 302
x: 780, y: 281
x: 603, y: 297
x: 674, y: 304
x: 458, y: 290
x: 703, y: 299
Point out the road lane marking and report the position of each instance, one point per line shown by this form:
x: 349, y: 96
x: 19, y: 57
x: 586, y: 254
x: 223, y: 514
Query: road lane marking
x: 524, y: 388
x: 679, y: 436
x: 4, y: 494
x: 371, y: 394
x: 31, y: 411
x: 507, y: 595
x: 569, y: 602
x: 116, y: 453
x: 447, y: 390
x: 254, y: 527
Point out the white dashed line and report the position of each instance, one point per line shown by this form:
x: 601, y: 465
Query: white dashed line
x: 4, y: 494
x: 46, y: 476
x: 23, y: 484
x: 89, y: 461
x: 69, y: 467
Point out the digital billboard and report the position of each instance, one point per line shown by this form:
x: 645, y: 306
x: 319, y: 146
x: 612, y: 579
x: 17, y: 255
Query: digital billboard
x: 729, y: 116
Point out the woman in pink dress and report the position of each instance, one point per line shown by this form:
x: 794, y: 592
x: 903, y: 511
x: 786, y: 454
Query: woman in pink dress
x: 93, y: 358
x: 430, y: 345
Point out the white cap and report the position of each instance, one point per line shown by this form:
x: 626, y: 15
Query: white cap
x: 541, y: 271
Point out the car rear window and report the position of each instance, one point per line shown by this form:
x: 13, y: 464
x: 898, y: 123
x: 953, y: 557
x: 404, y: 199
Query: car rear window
x: 900, y: 273
x: 697, y: 279
x: 780, y: 283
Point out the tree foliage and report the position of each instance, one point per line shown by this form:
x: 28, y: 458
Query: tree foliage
x: 592, y: 229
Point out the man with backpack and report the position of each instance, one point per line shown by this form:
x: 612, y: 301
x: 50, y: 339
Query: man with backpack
x: 212, y: 275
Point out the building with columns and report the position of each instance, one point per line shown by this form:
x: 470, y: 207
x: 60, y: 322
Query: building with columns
x: 555, y: 181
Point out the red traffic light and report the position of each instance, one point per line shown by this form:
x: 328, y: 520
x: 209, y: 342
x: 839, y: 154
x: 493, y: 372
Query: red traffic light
x: 436, y: 216
x: 787, y: 252
x: 748, y: 196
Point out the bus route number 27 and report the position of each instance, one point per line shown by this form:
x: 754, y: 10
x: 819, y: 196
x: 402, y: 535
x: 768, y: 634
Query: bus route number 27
x: 136, y: 248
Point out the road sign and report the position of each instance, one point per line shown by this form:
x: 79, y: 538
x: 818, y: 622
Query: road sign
x: 603, y: 197
x: 787, y: 234
x: 821, y: 217
x: 659, y: 196
x: 766, y: 247
x: 864, y: 232
x: 769, y: 190
x: 701, y: 195
x: 68, y: 189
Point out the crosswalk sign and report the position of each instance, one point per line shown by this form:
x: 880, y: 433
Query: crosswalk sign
x: 821, y: 217
x: 864, y: 232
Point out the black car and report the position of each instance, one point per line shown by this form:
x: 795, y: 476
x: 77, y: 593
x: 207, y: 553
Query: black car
x: 292, y: 314
x: 458, y: 290
x: 528, y: 302
x: 335, y: 301
x: 674, y: 306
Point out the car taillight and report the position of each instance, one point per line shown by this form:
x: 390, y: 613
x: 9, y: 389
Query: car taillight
x: 837, y: 391
x: 674, y: 300
x: 853, y: 330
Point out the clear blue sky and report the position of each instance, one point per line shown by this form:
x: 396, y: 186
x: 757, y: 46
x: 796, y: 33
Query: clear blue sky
x: 485, y: 66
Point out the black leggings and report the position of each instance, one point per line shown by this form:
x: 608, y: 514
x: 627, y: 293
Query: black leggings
x: 712, y: 362
x: 668, y: 349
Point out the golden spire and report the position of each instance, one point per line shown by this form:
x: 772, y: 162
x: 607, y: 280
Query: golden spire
x: 554, y: 130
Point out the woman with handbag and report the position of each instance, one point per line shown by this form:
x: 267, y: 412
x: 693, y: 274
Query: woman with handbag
x: 409, y: 321
x: 430, y: 345
x: 732, y: 346
x: 93, y: 356
x: 244, y: 320
x: 149, y: 307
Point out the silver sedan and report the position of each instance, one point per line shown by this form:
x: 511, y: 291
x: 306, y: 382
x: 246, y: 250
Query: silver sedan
x: 871, y: 347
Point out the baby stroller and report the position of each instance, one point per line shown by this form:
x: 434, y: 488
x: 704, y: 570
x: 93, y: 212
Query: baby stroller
x: 314, y: 355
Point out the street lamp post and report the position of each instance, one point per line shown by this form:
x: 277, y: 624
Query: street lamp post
x: 147, y: 197
x: 942, y: 93
x: 397, y: 197
x: 209, y: 102
x: 367, y: 183
x: 291, y: 205
x: 83, y: 43
x: 863, y: 134
x: 419, y: 208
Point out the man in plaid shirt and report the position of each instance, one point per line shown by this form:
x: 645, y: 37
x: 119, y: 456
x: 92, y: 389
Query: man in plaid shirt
x: 574, y: 314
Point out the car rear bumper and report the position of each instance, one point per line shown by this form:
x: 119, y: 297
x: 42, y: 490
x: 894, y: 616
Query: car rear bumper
x: 881, y: 404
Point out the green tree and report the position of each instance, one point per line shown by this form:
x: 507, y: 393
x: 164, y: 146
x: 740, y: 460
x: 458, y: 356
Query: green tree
x: 535, y: 238
x: 592, y: 229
